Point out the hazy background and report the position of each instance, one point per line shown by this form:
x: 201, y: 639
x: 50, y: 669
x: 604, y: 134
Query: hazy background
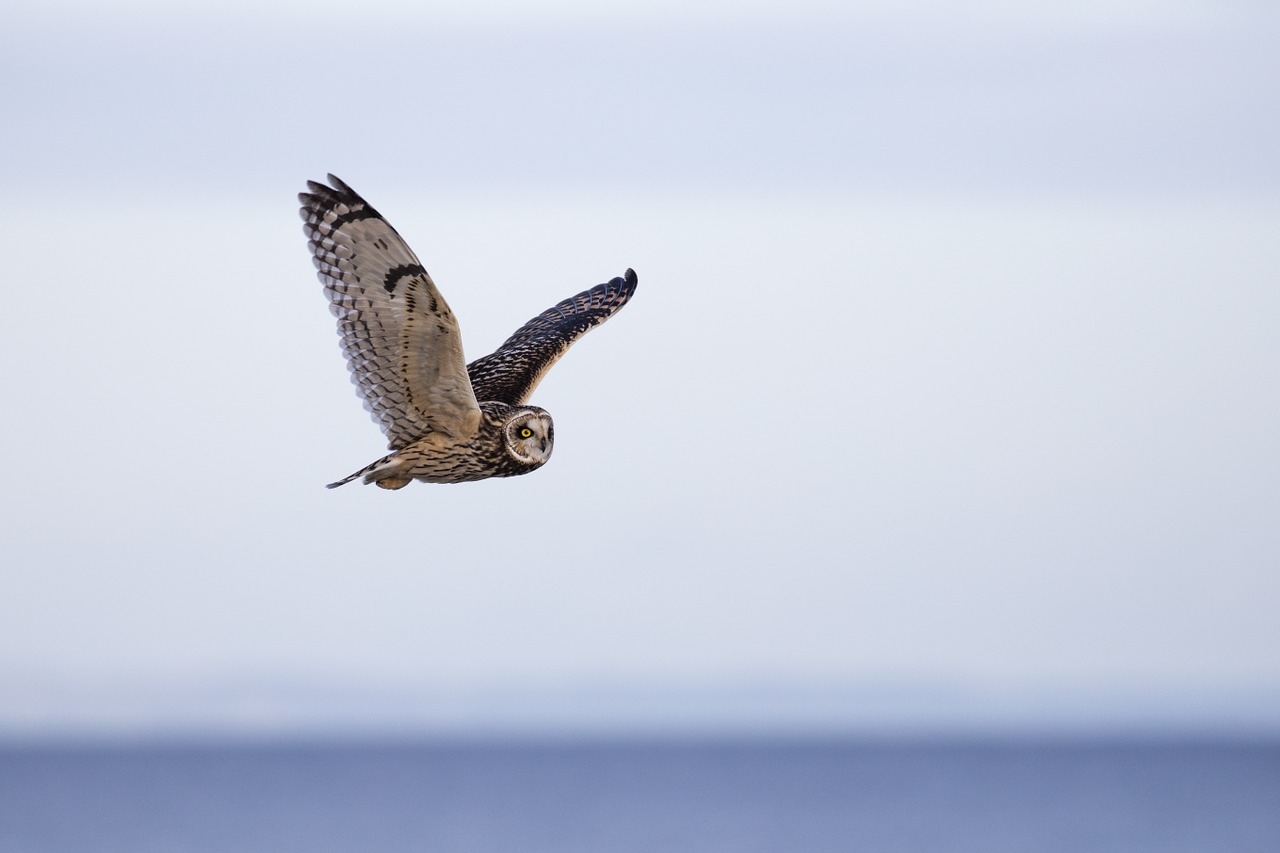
x: 949, y: 398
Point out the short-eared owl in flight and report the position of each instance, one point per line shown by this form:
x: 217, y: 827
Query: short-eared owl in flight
x: 446, y: 421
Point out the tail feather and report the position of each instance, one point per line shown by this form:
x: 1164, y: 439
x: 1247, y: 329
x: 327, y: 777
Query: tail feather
x: 344, y: 480
x: 389, y: 464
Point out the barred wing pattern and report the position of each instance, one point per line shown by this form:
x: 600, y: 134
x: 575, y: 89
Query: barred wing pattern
x: 401, y: 341
x: 511, y: 372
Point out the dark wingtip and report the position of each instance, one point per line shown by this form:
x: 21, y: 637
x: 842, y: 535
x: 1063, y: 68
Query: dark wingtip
x: 630, y: 276
x: 336, y: 188
x: 322, y: 196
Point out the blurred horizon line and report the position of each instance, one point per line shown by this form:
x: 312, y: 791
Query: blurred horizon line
x: 257, y: 707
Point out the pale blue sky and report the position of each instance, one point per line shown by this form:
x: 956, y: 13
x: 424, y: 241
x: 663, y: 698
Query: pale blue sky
x: 953, y: 360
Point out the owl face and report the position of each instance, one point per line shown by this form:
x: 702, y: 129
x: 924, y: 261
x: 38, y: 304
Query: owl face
x: 528, y: 435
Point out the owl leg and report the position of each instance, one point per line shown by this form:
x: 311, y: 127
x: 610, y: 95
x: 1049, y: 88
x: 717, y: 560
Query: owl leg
x: 392, y: 482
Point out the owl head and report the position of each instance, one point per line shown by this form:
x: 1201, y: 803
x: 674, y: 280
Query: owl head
x: 528, y: 435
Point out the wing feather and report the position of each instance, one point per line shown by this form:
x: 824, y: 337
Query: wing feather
x: 401, y: 341
x: 513, y: 370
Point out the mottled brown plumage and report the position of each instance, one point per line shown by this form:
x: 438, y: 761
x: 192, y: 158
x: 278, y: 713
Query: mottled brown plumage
x: 445, y: 421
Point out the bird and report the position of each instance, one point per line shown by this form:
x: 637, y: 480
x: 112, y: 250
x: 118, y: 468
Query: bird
x: 446, y: 421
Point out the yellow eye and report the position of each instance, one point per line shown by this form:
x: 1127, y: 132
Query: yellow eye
x: 525, y: 432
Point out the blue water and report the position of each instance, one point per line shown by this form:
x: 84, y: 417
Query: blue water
x: 654, y: 797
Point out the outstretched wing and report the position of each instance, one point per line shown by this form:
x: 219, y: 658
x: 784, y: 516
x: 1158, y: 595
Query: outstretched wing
x: 401, y: 340
x: 514, y: 369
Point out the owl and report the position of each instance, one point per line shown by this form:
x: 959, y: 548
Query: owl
x: 446, y: 421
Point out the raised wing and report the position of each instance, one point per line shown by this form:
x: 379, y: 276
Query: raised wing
x: 511, y: 372
x: 401, y: 340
